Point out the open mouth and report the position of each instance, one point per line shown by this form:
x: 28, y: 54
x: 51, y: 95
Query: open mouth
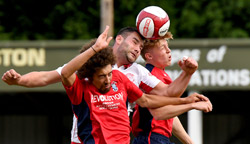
x: 107, y: 85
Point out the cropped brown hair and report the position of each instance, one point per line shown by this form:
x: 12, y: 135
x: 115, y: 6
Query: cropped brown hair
x: 151, y: 43
x: 101, y: 59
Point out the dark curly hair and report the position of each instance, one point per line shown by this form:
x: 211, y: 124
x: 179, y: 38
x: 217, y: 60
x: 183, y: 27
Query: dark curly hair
x: 96, y: 62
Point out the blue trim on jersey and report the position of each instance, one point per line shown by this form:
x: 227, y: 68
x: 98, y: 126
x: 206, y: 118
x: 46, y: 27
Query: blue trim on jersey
x: 149, y: 67
x: 145, y: 119
x: 84, y: 124
x: 145, y: 123
x: 127, y: 103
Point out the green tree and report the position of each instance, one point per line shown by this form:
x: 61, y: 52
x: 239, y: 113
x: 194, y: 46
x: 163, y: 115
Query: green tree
x: 46, y: 19
x: 74, y: 19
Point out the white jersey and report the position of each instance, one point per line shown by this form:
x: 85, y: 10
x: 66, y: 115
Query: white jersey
x: 140, y: 76
x: 136, y: 73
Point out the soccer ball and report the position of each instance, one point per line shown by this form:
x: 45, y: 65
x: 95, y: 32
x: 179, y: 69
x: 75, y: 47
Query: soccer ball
x: 152, y: 22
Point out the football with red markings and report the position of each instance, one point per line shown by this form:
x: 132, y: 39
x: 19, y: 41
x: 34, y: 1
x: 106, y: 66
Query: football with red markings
x: 152, y: 22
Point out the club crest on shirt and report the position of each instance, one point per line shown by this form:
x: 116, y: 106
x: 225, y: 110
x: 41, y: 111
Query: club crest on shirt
x: 114, y: 87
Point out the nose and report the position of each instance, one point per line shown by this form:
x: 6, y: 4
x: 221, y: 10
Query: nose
x: 168, y: 50
x: 108, y: 79
x: 137, y: 49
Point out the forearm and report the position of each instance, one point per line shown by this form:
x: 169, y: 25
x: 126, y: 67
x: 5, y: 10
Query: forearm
x: 76, y: 63
x: 169, y: 111
x: 38, y: 79
x: 179, y: 85
x: 180, y: 132
x: 175, y: 89
x: 154, y: 101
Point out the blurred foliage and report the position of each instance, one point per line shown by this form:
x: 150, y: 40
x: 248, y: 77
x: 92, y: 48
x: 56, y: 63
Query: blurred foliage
x: 74, y: 19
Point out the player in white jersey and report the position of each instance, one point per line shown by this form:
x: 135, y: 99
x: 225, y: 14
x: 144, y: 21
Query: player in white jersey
x: 127, y: 48
x: 140, y: 77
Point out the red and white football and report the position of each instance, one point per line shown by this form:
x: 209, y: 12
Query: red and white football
x: 152, y: 22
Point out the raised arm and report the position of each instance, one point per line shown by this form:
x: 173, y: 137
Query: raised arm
x: 68, y: 76
x: 179, y: 85
x: 32, y: 79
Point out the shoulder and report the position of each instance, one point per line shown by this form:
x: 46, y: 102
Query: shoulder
x: 136, y: 65
x: 117, y: 73
x: 139, y: 68
x: 119, y: 76
x: 149, y: 67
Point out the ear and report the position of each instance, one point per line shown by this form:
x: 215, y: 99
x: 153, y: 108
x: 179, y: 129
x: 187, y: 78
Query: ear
x: 148, y: 56
x: 119, y: 39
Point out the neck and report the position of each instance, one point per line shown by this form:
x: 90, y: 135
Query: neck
x: 154, y: 64
x: 121, y: 64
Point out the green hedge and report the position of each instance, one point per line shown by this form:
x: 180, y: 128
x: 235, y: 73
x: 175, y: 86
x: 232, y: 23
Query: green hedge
x: 80, y: 19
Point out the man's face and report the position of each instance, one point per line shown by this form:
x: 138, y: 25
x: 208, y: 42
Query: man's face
x: 161, y: 54
x: 102, y: 79
x: 130, y: 48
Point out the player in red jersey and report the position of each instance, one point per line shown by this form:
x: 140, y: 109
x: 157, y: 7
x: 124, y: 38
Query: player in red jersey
x: 158, y: 130
x: 99, y: 94
x: 127, y: 48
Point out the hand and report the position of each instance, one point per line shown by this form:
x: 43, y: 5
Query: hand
x: 11, y: 77
x: 103, y: 40
x: 189, y: 65
x: 205, y: 106
x: 195, y: 97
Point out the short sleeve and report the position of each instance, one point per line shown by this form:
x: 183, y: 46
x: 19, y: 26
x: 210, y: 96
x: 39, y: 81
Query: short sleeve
x: 148, y: 81
x: 75, y: 91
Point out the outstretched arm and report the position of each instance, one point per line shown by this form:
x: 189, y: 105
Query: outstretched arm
x: 153, y: 101
x: 179, y: 85
x: 170, y: 111
x: 32, y: 79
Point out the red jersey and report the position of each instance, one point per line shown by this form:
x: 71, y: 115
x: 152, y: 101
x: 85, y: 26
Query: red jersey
x: 143, y: 121
x: 103, y: 118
